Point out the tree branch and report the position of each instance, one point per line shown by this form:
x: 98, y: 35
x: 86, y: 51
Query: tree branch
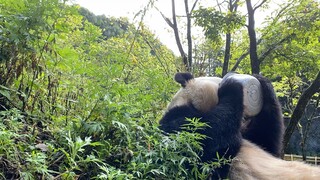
x: 255, y: 8
x: 273, y: 47
x: 235, y: 6
x: 300, y: 107
x: 174, y: 25
x: 244, y: 55
x: 189, y: 38
x: 194, y: 5
x: 225, y: 67
x: 255, y: 64
x: 166, y: 19
x: 176, y: 34
x: 156, y: 54
x: 280, y: 13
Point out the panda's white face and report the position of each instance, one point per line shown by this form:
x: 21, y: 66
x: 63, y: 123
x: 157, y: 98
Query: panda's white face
x: 201, y: 92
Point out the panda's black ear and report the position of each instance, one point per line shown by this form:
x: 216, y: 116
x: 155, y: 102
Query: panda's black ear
x: 183, y: 78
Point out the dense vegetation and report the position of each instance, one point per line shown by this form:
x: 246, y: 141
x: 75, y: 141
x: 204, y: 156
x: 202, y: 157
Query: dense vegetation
x: 81, y: 95
x: 80, y: 101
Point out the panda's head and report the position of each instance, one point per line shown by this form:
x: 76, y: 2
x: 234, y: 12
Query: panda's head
x: 201, y: 92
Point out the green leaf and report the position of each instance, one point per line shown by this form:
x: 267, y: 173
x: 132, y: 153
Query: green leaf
x: 5, y: 93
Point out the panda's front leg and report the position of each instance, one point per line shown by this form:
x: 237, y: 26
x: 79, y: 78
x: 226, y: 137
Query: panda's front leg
x: 226, y: 117
x: 266, y: 128
x: 224, y: 136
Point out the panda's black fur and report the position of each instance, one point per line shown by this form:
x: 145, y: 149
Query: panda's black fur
x: 226, y: 129
x: 266, y: 129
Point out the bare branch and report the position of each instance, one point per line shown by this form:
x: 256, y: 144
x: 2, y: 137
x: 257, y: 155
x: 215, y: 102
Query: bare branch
x: 235, y: 6
x: 218, y: 4
x: 168, y: 21
x: 174, y: 25
x: 194, y: 5
x: 244, y: 55
x: 255, y: 8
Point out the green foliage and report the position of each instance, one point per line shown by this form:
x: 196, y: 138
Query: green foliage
x: 111, y: 27
x: 300, y: 50
x: 78, y: 105
x: 165, y: 157
x: 19, y: 157
x: 80, y: 95
x: 208, y: 59
x: 295, y: 62
x: 215, y: 22
x: 289, y: 90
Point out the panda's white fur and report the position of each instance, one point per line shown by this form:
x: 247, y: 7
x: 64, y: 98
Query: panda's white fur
x: 253, y: 163
x: 201, y: 92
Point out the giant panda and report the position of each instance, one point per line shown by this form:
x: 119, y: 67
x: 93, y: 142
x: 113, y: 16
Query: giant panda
x: 254, y: 144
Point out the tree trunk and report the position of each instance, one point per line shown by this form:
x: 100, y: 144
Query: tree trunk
x: 187, y: 60
x: 255, y: 64
x: 189, y: 39
x: 299, y: 109
x: 233, y: 6
x: 226, y: 55
x: 174, y: 26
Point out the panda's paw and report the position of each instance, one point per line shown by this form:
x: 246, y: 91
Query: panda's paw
x: 231, y: 89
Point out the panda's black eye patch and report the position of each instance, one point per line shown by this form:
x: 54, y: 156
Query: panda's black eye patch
x: 183, y: 78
